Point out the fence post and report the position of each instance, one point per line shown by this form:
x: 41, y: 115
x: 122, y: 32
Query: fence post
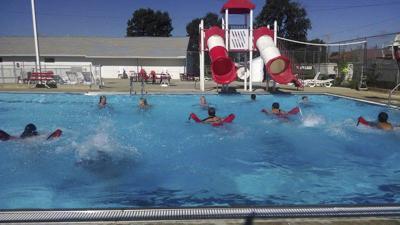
x: 2, y: 73
x: 14, y: 71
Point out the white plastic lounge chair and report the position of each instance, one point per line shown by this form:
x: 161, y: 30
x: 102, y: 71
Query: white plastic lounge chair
x: 316, y: 82
x: 72, y: 77
x: 87, y: 78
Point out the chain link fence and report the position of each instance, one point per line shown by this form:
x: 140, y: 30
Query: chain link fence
x: 347, y: 64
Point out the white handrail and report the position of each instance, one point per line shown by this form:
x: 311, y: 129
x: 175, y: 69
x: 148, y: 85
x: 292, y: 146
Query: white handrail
x: 391, y: 93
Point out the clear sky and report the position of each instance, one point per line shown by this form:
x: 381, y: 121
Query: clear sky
x: 332, y: 20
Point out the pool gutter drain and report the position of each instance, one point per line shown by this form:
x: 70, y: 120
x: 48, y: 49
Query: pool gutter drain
x: 193, y: 213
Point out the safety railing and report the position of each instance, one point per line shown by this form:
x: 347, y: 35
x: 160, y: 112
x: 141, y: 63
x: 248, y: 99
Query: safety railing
x: 391, y: 94
x: 239, y: 39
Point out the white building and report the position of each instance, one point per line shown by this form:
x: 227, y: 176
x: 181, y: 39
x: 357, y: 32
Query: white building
x: 110, y: 55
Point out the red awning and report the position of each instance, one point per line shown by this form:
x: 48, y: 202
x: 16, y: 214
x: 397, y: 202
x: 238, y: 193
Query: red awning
x: 238, y: 6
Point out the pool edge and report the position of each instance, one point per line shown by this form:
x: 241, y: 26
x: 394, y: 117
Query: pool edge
x: 14, y: 216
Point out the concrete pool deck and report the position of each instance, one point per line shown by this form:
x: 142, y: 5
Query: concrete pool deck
x: 177, y: 86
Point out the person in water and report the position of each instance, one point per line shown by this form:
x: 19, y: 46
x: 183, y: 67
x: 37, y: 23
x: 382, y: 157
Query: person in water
x: 102, y: 101
x: 304, y: 100
x: 275, y: 109
x: 143, y: 103
x: 29, y: 131
x: 212, y: 118
x: 253, y: 97
x: 382, y: 122
x: 203, y: 102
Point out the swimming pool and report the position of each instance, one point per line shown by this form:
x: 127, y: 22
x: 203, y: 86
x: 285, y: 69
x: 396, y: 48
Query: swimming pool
x: 156, y: 158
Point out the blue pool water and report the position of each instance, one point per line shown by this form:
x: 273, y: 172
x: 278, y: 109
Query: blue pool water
x: 156, y: 158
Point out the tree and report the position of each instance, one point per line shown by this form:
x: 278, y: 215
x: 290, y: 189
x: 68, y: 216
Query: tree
x: 192, y: 30
x: 292, y: 19
x: 147, y: 22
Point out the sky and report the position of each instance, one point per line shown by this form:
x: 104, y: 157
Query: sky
x: 332, y: 20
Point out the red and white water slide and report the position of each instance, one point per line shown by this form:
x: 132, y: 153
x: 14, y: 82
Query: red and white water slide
x: 278, y: 66
x: 222, y: 67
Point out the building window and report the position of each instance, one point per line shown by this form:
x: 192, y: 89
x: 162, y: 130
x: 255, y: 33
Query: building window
x: 49, y: 60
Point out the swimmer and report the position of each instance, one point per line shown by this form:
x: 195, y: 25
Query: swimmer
x: 143, y: 103
x: 382, y: 122
x: 253, y: 97
x: 275, y: 109
x: 304, y: 100
x: 29, y: 131
x: 203, y: 102
x: 102, y: 101
x: 280, y: 113
x: 212, y: 118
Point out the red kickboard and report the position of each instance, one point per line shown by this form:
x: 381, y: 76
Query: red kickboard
x: 4, y: 136
x: 227, y: 119
x: 195, y: 118
x: 294, y: 111
x: 56, y: 134
x: 363, y: 121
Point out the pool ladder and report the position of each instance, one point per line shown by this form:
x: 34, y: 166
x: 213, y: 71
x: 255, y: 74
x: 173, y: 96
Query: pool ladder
x: 131, y: 87
x: 142, y: 87
x: 391, y: 93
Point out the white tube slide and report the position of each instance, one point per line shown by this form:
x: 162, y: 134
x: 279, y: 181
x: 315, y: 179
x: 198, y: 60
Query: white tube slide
x: 222, y: 68
x: 277, y: 66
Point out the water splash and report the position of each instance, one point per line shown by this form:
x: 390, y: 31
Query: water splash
x: 313, y: 120
x: 101, y: 146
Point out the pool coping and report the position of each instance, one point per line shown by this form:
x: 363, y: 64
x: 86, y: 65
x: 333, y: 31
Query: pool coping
x: 159, y: 214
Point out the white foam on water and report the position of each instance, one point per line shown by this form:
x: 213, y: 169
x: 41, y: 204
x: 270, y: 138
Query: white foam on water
x: 342, y: 129
x: 313, y: 120
x: 102, y: 144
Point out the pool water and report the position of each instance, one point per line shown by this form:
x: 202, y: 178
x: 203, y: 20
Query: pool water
x: 121, y: 156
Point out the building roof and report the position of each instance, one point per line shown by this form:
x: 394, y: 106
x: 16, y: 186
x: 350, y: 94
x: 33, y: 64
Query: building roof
x: 96, y: 47
x: 238, y: 6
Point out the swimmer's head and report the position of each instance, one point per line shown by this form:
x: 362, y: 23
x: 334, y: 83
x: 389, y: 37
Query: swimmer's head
x: 253, y: 97
x: 211, y: 111
x: 203, y: 100
x: 142, y: 102
x: 30, y: 130
x: 102, y: 99
x: 275, y: 105
x: 383, y: 117
x: 304, y: 99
